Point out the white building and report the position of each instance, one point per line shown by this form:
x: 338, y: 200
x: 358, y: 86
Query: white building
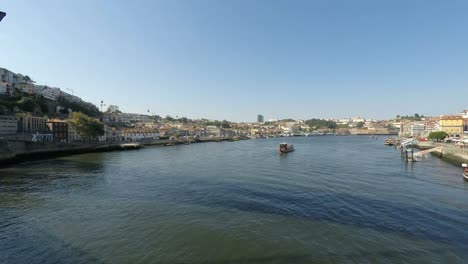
x: 3, y: 87
x: 11, y: 77
x: 113, y: 108
x: 48, y: 92
x: 138, y: 135
x: 73, y: 135
x: 417, y: 129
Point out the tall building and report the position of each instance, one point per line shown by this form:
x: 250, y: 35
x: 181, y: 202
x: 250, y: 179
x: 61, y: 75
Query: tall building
x: 260, y: 119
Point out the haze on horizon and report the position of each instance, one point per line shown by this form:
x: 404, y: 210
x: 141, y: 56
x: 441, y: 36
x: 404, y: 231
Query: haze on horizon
x: 236, y: 59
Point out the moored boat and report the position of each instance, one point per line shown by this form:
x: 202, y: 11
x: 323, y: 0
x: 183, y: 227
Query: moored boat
x: 465, y: 171
x: 285, y: 148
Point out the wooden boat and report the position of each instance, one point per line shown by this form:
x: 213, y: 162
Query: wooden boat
x: 285, y: 148
x: 465, y: 171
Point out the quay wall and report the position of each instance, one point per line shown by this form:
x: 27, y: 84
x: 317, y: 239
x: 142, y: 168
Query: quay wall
x: 15, y: 151
x: 451, y: 153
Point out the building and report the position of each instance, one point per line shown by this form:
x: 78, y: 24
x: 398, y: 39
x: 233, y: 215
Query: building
x: 138, y: 135
x: 417, y: 129
x: 26, y: 87
x: 113, y: 109
x: 8, y: 125
x: 73, y: 135
x: 260, y: 119
x: 59, y: 129
x: 31, y: 124
x: 50, y: 93
x: 3, y: 88
x: 451, y: 124
x: 11, y: 77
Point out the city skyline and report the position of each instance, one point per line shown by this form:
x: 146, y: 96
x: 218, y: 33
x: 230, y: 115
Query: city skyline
x: 222, y: 60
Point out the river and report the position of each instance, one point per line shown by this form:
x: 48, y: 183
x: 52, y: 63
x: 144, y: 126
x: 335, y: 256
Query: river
x: 332, y: 200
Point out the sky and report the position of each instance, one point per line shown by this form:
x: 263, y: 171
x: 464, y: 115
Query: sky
x: 232, y: 60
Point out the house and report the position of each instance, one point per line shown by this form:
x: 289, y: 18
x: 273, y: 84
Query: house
x: 451, y: 124
x: 59, y: 129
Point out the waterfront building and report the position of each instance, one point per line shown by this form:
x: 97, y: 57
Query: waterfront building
x: 213, y: 131
x: 417, y: 129
x: 73, y: 135
x: 59, y: 129
x: 260, y: 118
x: 31, y: 124
x: 138, y: 135
x: 451, y: 124
x: 8, y: 125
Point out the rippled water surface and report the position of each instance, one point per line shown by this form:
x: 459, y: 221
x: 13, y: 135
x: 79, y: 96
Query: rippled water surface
x: 333, y: 200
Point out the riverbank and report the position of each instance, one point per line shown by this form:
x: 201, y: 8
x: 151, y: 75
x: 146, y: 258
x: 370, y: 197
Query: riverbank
x: 13, y: 152
x: 451, y: 153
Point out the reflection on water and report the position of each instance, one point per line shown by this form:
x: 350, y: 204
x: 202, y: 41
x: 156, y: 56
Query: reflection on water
x: 334, y: 199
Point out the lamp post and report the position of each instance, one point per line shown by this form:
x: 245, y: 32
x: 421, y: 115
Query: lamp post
x: 102, y: 104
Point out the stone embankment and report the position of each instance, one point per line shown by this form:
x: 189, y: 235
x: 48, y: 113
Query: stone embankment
x: 15, y: 151
x: 450, y: 153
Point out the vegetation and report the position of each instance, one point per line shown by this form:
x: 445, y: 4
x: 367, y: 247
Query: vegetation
x: 437, y: 135
x: 360, y: 124
x: 415, y: 117
x: 321, y: 123
x: 85, y: 108
x: 87, y: 127
x: 221, y: 124
x: 23, y: 102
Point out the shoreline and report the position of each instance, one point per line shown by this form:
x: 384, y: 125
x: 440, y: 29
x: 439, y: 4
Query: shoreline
x: 16, y: 152
x: 450, y: 153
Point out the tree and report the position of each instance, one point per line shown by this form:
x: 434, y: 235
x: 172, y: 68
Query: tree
x: 437, y: 135
x: 360, y: 124
x: 87, y: 127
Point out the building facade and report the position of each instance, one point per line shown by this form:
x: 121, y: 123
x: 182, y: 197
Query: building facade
x: 8, y: 125
x: 260, y: 119
x: 451, y: 124
x: 73, y: 135
x: 58, y: 129
x: 31, y: 124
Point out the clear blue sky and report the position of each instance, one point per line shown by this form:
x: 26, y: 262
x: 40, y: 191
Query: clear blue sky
x: 235, y: 59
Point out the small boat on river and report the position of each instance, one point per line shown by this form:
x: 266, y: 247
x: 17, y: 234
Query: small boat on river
x: 285, y: 147
x: 465, y: 171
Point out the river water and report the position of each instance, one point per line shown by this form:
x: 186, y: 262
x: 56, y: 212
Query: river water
x: 332, y: 200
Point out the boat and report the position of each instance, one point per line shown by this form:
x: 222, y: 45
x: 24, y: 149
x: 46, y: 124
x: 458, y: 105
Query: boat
x: 285, y: 147
x: 389, y: 142
x: 465, y: 171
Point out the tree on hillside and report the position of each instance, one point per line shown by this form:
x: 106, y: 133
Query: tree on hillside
x: 437, y: 135
x: 320, y: 123
x: 87, y: 127
x: 360, y: 124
